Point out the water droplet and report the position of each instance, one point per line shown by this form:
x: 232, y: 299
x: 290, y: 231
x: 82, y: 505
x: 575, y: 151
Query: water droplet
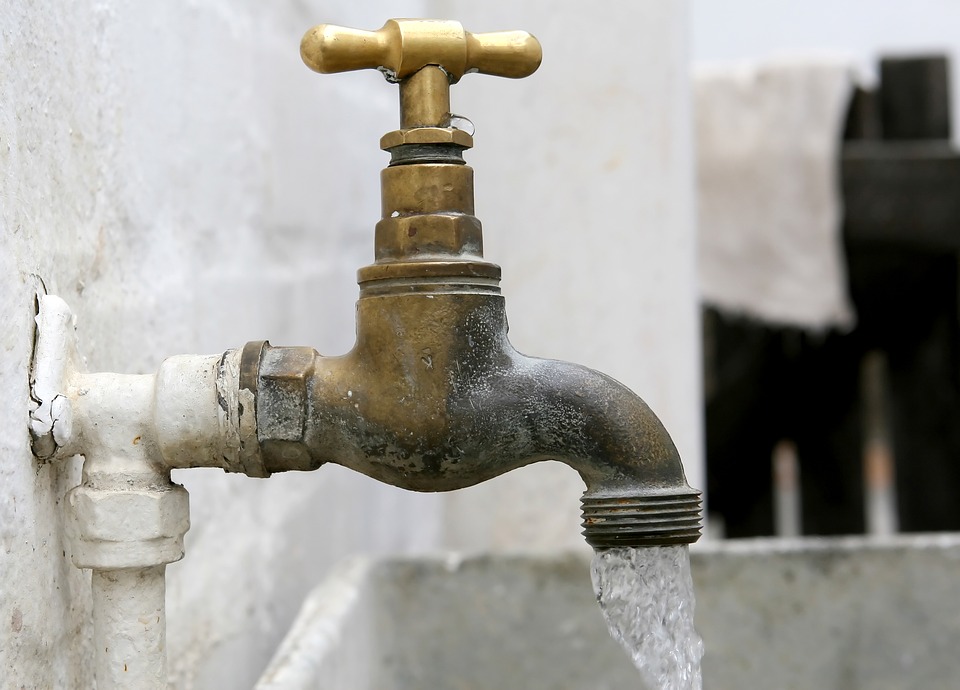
x: 461, y: 123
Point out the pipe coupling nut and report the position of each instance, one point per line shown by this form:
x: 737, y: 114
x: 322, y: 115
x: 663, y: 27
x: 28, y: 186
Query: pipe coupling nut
x: 128, y: 527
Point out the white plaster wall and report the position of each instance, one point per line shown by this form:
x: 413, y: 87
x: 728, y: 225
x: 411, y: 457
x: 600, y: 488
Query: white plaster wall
x: 174, y: 172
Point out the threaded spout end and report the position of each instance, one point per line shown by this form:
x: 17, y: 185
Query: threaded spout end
x: 624, y: 519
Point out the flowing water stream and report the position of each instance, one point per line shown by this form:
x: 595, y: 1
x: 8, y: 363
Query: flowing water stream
x: 646, y: 596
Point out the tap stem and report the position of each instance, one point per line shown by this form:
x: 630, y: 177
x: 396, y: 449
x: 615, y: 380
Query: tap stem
x: 425, y: 98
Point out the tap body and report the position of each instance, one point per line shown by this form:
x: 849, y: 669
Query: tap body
x: 433, y: 397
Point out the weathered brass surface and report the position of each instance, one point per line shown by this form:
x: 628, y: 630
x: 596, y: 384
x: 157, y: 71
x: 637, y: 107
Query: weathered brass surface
x: 425, y: 98
x: 426, y: 188
x: 433, y: 397
x: 433, y: 235
x: 427, y: 174
x: 426, y: 135
x: 403, y: 46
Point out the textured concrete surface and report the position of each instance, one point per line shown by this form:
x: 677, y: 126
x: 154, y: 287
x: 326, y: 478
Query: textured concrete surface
x: 175, y: 173
x: 506, y: 622
x: 838, y: 614
x: 480, y: 623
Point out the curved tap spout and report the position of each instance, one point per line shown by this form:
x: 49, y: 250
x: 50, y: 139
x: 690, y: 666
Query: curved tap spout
x: 433, y: 398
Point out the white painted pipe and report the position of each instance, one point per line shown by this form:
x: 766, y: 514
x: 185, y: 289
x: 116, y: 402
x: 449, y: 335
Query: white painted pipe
x: 129, y: 628
x: 127, y: 519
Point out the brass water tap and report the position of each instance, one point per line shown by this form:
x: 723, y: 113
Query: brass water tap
x: 433, y: 397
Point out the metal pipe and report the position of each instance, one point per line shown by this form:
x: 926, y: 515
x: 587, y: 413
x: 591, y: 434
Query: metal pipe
x: 129, y: 628
x: 126, y: 520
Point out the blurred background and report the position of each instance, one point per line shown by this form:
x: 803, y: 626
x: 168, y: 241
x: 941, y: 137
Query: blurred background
x: 745, y: 211
x: 831, y: 400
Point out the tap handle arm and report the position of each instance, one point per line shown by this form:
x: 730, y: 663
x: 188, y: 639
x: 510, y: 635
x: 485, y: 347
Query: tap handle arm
x: 404, y: 46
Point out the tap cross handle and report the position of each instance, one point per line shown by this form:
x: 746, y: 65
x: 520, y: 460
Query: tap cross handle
x: 405, y: 46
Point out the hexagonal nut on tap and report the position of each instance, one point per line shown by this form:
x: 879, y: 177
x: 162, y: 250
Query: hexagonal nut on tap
x: 284, y: 376
x: 129, y: 527
x: 426, y: 135
x: 420, y: 236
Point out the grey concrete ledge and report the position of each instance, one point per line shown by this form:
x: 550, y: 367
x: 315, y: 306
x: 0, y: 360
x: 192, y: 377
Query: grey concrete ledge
x: 838, y: 613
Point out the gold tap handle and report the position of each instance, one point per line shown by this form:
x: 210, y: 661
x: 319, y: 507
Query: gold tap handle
x: 404, y: 46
